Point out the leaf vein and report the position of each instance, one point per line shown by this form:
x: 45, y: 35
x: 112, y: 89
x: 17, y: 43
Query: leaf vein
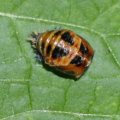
x: 61, y: 112
x: 28, y: 62
x: 30, y: 97
x: 105, y: 11
x: 13, y: 16
x: 65, y: 95
x: 94, y: 99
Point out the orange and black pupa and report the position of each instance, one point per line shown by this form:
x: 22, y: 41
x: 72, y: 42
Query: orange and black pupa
x: 64, y: 50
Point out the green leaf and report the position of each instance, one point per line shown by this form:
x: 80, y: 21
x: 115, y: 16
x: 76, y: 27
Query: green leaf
x: 29, y: 91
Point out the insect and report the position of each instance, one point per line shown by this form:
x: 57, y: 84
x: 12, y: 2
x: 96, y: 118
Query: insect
x: 64, y: 50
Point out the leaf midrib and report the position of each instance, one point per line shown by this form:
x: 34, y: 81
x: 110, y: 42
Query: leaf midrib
x: 61, y: 112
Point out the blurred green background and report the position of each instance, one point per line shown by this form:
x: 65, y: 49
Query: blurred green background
x: 28, y: 91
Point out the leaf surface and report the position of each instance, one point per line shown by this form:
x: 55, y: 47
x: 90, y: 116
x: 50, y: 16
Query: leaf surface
x: 30, y: 91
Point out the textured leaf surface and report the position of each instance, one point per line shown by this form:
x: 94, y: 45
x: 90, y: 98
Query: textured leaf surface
x: 30, y: 91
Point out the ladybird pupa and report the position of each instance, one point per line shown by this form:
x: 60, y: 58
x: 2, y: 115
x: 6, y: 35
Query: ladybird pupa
x: 64, y: 50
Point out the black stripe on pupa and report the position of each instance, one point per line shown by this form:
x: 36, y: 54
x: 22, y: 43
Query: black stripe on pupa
x: 83, y: 49
x: 67, y: 38
x: 59, y: 52
x: 77, y: 60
